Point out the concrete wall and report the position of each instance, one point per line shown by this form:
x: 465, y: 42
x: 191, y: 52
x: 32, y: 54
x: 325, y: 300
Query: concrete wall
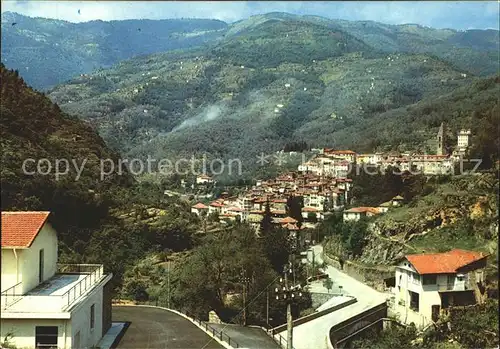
x: 373, y: 277
x: 29, y: 259
x: 310, y: 317
x: 23, y: 331
x: 80, y: 319
x: 357, y: 322
x: 408, y: 280
x: 10, y: 275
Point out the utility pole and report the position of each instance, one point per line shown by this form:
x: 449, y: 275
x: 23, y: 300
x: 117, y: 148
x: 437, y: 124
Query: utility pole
x: 168, y: 285
x: 244, y: 280
x: 289, y: 319
x: 289, y: 294
x: 267, y: 307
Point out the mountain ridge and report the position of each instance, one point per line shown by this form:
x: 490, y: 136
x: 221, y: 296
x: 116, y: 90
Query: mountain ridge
x: 35, y: 45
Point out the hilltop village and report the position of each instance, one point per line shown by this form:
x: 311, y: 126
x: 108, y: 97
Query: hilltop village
x: 324, y: 186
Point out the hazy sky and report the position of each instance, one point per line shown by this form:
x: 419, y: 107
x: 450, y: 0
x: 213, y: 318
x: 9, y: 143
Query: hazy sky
x: 445, y: 14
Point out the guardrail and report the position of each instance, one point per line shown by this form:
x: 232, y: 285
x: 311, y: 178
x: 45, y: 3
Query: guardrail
x: 94, y: 271
x: 215, y: 332
x: 281, y: 341
x: 11, y: 294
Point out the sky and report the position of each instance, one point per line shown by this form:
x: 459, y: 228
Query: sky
x: 437, y: 14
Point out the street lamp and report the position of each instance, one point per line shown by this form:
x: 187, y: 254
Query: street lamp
x: 290, y: 294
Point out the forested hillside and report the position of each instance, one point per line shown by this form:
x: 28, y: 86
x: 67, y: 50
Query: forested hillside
x: 113, y: 221
x: 47, y: 51
x: 132, y: 228
x: 273, y: 80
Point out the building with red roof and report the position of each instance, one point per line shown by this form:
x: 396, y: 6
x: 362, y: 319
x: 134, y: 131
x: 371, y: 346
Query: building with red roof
x: 429, y: 282
x: 356, y: 213
x: 19, y: 229
x: 199, y: 209
x: 75, y: 298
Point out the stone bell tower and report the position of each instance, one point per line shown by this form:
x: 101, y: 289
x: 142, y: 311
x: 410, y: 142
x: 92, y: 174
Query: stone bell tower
x: 441, y: 140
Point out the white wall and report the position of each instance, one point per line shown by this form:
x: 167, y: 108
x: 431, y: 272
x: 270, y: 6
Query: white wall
x: 29, y: 259
x: 80, y: 319
x: 24, y: 331
x: 428, y: 295
x: 10, y: 275
x: 25, y: 267
x: 351, y: 216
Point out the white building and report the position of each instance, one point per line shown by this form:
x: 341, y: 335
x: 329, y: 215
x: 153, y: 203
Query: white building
x: 427, y: 283
x: 356, y: 213
x: 463, y: 138
x: 204, y: 179
x: 43, y: 303
x: 199, y: 209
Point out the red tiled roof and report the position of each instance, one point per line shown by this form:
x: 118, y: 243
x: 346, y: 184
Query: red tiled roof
x: 290, y: 226
x: 278, y: 211
x: 19, y: 229
x: 280, y: 200
x: 256, y: 212
x: 331, y: 151
x: 199, y: 205
x: 288, y: 219
x: 363, y: 210
x: 216, y: 204
x: 443, y: 263
x: 310, y: 209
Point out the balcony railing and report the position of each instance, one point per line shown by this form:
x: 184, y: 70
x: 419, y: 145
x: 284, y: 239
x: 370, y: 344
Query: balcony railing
x: 94, y: 273
x: 11, y: 294
x: 49, y: 295
x: 453, y: 287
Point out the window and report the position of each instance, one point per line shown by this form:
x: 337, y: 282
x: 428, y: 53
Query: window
x: 414, y: 301
x: 450, y: 279
x: 92, y: 316
x: 430, y: 279
x: 46, y: 336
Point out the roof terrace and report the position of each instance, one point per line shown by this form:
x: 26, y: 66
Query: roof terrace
x: 59, y: 294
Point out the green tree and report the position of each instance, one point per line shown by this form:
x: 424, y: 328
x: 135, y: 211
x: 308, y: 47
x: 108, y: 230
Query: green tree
x: 328, y: 284
x: 294, y: 207
x: 266, y: 224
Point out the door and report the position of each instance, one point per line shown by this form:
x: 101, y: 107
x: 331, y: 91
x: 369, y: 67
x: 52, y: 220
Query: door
x: 435, y: 312
x: 76, y: 342
x: 40, y: 266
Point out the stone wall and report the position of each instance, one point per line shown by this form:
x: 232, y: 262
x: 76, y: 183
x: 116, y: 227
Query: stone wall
x: 213, y: 318
x: 320, y: 298
x: 372, y: 276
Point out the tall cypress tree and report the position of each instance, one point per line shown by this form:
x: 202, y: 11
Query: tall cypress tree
x: 266, y: 225
x: 294, y: 208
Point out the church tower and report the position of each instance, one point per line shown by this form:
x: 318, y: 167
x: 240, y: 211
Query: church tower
x: 441, y: 140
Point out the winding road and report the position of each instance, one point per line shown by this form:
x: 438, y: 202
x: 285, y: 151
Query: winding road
x: 160, y: 328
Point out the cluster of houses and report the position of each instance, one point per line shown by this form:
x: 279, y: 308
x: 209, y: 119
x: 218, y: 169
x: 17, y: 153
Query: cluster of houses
x: 339, y: 163
x: 323, y: 184
x: 319, y: 194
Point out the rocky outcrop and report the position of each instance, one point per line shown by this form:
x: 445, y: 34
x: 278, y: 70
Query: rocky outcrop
x: 382, y: 252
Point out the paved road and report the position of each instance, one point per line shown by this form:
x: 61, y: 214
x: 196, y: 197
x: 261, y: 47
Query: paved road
x: 248, y: 337
x: 350, y: 286
x: 159, y: 328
